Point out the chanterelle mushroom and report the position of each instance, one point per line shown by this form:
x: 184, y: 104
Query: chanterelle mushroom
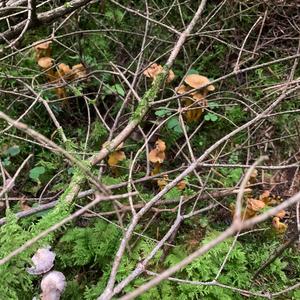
x: 157, y: 155
x: 64, y: 69
x: 79, y: 71
x: 43, y: 50
x: 154, y: 70
x: 52, y: 285
x: 45, y: 62
x: 195, y: 81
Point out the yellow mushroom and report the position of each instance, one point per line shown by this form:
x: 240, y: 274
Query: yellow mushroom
x: 46, y: 64
x: 42, y: 50
x: 279, y: 227
x: 157, y: 156
x: 155, y: 69
x: 64, y: 70
x: 196, y: 81
x: 79, y: 71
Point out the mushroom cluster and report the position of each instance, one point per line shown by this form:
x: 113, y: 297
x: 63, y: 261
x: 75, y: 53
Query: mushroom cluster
x: 53, y: 282
x: 195, y: 81
x: 154, y: 70
x: 61, y: 73
x: 157, y: 155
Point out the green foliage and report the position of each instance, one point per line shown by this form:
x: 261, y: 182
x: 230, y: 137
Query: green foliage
x: 174, y: 125
x: 35, y: 173
x: 243, y: 259
x: 14, y: 281
x: 93, y: 245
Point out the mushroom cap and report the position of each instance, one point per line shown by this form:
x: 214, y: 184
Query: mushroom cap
x: 45, y: 62
x: 43, y: 261
x: 182, y: 89
x: 195, y: 81
x: 198, y: 97
x: 116, y: 157
x: 79, y: 70
x: 255, y: 205
x: 160, y: 145
x: 153, y: 70
x: 156, y: 157
x: 281, y: 214
x: 64, y: 69
x: 279, y: 226
x: 53, y: 280
x: 43, y: 46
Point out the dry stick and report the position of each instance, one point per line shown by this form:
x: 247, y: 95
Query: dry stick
x: 235, y: 227
x: 123, y: 208
x: 12, y: 180
x: 213, y: 283
x: 43, y: 19
x: 31, y: 15
x: 237, y: 64
x: 23, y: 127
x: 141, y: 267
x: 44, y: 233
x: 50, y: 112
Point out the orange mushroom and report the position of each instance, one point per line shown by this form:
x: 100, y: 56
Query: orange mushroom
x: 79, y: 71
x: 64, y: 70
x: 181, y: 185
x: 279, y: 227
x: 253, y: 207
x: 154, y: 70
x: 115, y: 157
x: 194, y: 81
x: 162, y: 182
x: 281, y: 214
x: 46, y: 63
x: 43, y: 50
x: 157, y: 155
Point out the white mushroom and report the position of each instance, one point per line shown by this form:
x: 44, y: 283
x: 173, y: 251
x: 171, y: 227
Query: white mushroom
x: 52, y: 285
x: 43, y: 261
